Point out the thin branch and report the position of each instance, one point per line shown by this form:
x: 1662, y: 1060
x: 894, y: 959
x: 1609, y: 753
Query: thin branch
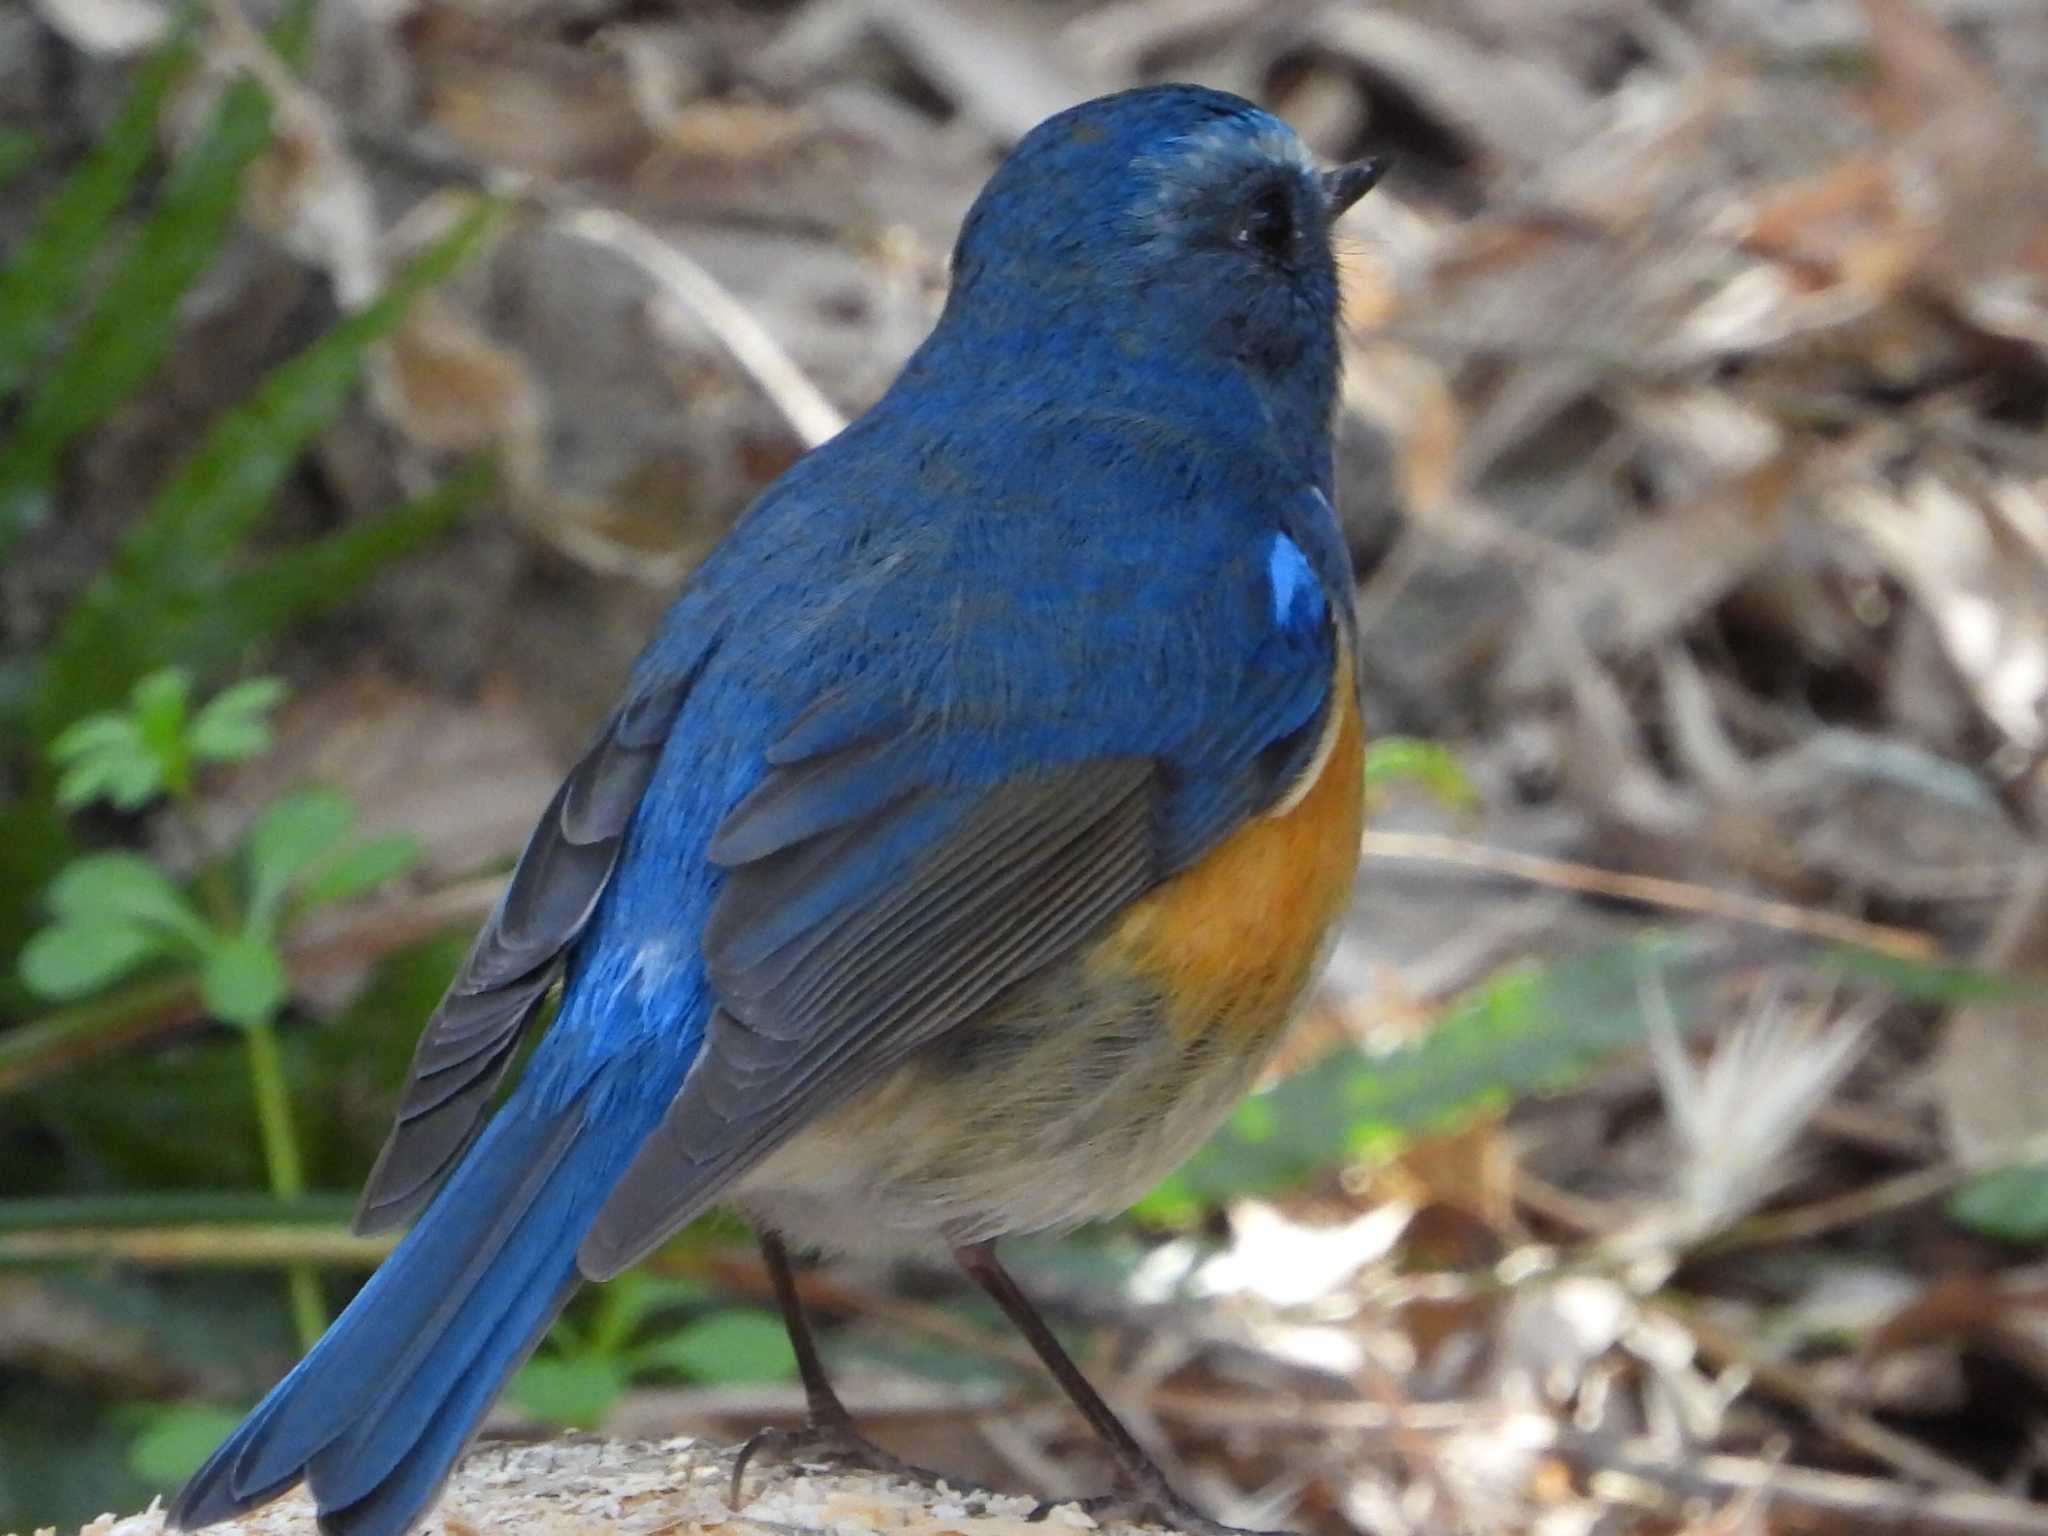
x: 1857, y: 1431
x: 1884, y: 1198
x: 810, y: 415
x: 1862, y: 1503
x: 1651, y: 890
x: 202, y: 1245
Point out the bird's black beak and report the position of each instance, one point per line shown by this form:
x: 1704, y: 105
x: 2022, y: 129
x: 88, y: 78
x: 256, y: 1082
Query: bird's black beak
x: 1348, y: 183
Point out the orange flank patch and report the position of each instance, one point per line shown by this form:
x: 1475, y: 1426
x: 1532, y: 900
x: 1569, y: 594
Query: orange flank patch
x: 1232, y: 940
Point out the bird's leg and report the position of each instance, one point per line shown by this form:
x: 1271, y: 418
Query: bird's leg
x: 823, y: 1403
x: 828, y: 1434
x: 1142, y: 1492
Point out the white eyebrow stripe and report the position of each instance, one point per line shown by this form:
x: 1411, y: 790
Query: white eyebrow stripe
x: 1275, y: 142
x: 1270, y: 143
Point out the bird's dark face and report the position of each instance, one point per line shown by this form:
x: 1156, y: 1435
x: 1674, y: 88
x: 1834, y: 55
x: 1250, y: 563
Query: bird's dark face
x: 1175, y: 222
x: 1236, y: 226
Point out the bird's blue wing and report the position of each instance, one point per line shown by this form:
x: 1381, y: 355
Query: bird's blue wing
x: 519, y: 954
x: 897, y: 867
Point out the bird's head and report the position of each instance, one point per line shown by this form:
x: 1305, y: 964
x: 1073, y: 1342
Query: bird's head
x: 1174, y: 227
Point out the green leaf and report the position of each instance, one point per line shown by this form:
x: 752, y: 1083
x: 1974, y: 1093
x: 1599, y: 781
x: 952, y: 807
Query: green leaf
x: 35, y: 843
x: 159, y: 1207
x: 176, y: 1441
x: 624, y: 1303
x: 126, y: 779
x: 160, y: 699
x: 1940, y: 981
x: 1527, y: 1030
x: 575, y: 1392
x: 234, y: 725
x: 75, y: 958
x: 1172, y: 1202
x: 242, y: 980
x: 361, y: 870
x: 51, y: 262
x: 128, y: 887
x: 17, y: 150
x: 104, y: 757
x: 162, y: 702
x: 111, y: 731
x: 2011, y: 1204
x: 1392, y: 759
x: 169, y: 589
x: 129, y: 756
x: 126, y: 332
x: 312, y: 578
x: 740, y: 1345
x: 216, y: 495
x: 290, y: 834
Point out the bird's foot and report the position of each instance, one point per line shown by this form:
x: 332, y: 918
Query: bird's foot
x: 1148, y: 1499
x: 823, y: 1443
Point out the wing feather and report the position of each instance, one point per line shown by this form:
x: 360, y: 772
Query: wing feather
x: 518, y: 956
x: 1012, y: 878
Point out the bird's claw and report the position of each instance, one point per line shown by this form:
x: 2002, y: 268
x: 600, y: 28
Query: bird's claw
x: 823, y: 1443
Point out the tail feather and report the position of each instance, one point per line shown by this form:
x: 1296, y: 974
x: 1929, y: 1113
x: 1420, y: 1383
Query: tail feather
x: 480, y: 1348
x: 453, y: 1262
x: 413, y: 1481
x: 380, y: 1409
x: 377, y: 1480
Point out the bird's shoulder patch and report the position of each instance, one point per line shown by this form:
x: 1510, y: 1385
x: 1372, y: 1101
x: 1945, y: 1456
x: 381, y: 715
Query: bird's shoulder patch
x: 1297, y: 594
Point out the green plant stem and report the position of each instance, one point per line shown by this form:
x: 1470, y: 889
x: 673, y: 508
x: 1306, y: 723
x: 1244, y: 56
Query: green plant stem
x: 287, y: 1171
x: 274, y: 1119
x: 198, y: 1245
x: 173, y: 1208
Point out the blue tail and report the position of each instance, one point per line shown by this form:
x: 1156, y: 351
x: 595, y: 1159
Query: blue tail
x: 375, y: 1416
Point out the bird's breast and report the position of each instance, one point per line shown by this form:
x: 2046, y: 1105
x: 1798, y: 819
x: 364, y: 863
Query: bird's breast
x: 1070, y: 1095
x: 1232, y: 942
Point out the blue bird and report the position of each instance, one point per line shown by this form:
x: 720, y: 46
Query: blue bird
x: 964, y: 840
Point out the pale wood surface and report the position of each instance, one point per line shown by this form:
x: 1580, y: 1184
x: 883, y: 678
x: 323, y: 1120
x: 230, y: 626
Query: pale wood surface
x: 592, y: 1487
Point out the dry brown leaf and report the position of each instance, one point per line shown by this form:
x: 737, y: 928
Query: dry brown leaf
x: 1838, y: 228
x: 1471, y: 1170
x: 1948, y: 540
x: 450, y: 388
x: 1994, y: 1313
x: 308, y: 193
x: 514, y: 97
x: 1977, y: 195
x: 1567, y: 290
x: 734, y: 133
x: 1408, y: 397
x: 647, y: 526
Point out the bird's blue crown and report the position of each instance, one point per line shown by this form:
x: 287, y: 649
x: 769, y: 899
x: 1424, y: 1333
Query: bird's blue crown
x: 1172, y: 242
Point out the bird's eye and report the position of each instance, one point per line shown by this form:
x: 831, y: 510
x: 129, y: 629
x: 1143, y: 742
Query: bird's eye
x: 1268, y: 223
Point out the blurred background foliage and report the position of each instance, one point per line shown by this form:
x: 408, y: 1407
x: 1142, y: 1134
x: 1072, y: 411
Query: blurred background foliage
x: 370, y: 373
